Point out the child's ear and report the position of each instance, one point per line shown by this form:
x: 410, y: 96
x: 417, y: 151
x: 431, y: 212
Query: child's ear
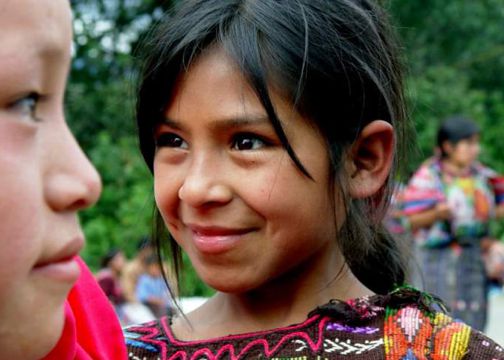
x: 370, y: 159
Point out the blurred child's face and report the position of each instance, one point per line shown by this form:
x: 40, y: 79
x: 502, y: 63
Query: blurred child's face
x: 118, y: 262
x: 44, y: 177
x: 154, y: 270
x: 465, y: 151
x: 228, y: 191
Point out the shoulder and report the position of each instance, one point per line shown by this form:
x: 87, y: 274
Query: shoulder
x: 414, y: 326
x: 414, y: 323
x: 409, y: 330
x: 484, y: 170
x: 143, y: 277
x: 428, y: 172
x: 424, y: 189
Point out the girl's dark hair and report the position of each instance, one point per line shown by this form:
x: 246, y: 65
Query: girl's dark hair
x: 335, y: 60
x: 454, y: 129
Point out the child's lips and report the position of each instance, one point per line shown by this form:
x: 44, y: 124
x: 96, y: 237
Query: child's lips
x: 62, y: 265
x: 67, y: 270
x: 215, y: 239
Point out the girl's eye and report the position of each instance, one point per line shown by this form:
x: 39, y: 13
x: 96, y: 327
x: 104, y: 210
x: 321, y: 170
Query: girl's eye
x: 248, y: 142
x: 26, y: 106
x: 171, y: 140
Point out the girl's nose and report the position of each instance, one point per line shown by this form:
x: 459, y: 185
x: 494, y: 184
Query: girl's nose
x: 205, y: 183
x: 72, y: 182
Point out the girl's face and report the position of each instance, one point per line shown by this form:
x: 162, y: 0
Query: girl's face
x: 228, y: 191
x: 464, y: 152
x: 118, y: 262
x: 44, y: 177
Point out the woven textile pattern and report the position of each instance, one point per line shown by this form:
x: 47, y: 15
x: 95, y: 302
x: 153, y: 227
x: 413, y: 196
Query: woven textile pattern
x: 382, y: 332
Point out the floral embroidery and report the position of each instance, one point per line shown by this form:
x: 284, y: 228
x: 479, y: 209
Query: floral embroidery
x: 407, y: 332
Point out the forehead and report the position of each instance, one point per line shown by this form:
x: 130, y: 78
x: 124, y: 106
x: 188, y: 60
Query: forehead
x: 471, y: 139
x: 34, y: 27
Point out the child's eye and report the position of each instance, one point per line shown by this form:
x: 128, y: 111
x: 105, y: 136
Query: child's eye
x: 248, y: 142
x: 26, y: 106
x: 171, y: 140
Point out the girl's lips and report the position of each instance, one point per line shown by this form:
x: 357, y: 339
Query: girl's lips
x: 61, y: 265
x: 66, y: 270
x: 215, y: 240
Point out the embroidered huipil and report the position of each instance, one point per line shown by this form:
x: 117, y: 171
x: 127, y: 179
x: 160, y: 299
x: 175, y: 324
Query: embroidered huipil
x: 395, y: 326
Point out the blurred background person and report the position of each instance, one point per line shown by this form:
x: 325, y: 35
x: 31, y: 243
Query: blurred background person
x: 108, y: 277
x: 152, y: 289
x: 134, y: 268
x: 449, y: 202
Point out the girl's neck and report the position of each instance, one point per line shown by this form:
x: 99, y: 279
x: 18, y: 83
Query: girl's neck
x: 454, y: 168
x: 280, y: 303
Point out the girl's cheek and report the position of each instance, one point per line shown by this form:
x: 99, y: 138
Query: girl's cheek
x: 162, y: 193
x: 164, y: 199
x: 267, y: 193
x: 167, y: 185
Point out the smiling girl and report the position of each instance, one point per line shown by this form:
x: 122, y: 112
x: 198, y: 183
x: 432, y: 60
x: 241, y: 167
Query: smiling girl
x: 271, y: 129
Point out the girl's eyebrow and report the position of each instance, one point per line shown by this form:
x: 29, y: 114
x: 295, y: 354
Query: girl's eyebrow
x: 172, y: 123
x: 224, y: 124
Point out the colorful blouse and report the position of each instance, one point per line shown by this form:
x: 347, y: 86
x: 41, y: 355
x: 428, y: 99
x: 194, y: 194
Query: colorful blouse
x: 400, y: 326
x: 469, y: 197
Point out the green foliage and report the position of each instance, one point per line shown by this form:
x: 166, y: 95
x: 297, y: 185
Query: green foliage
x: 436, y: 95
x: 100, y: 108
x: 122, y: 215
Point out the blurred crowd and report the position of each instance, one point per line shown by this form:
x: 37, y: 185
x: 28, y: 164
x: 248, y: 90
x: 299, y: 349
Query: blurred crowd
x: 137, y: 287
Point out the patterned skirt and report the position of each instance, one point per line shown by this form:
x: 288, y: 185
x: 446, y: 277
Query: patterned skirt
x: 457, y: 275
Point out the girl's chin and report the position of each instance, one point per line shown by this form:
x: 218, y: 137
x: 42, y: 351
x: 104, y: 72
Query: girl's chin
x: 229, y: 287
x: 55, y: 327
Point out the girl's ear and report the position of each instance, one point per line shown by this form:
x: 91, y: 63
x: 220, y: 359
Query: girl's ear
x: 370, y: 159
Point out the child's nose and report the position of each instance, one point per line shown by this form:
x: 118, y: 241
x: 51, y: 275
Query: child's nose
x: 72, y: 183
x: 205, y: 183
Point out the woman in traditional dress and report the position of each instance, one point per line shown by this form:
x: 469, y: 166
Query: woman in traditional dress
x: 449, y: 203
